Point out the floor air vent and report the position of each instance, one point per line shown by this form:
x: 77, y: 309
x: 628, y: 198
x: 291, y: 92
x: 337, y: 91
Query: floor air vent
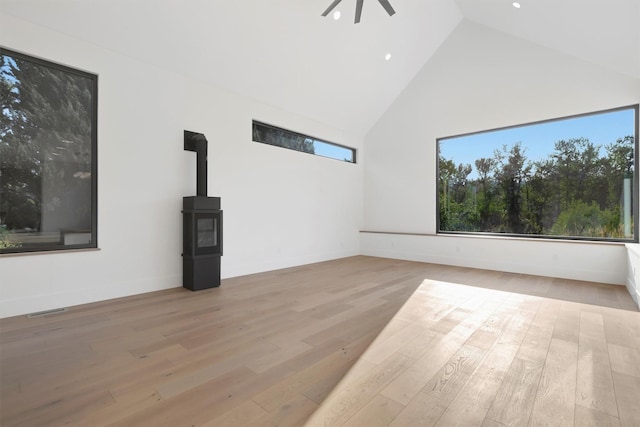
x: 47, y: 312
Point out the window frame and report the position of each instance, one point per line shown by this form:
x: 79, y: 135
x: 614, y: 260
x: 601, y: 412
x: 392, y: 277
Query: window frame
x: 635, y: 184
x: 294, y: 133
x: 93, y: 78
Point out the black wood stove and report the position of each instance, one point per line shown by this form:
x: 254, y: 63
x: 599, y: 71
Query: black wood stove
x: 202, y: 226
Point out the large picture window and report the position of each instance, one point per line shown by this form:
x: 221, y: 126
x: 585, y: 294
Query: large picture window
x: 568, y: 178
x: 48, y: 155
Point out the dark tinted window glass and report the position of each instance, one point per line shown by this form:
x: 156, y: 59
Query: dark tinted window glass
x: 273, y: 135
x: 47, y: 155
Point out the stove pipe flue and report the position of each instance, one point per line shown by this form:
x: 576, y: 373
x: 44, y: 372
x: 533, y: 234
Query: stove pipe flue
x: 197, y: 142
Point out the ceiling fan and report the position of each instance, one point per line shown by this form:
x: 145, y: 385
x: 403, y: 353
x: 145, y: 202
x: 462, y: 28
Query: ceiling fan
x: 384, y: 3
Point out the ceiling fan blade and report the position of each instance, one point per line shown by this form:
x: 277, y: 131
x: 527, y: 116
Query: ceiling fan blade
x: 331, y: 6
x: 359, y: 10
x: 387, y: 7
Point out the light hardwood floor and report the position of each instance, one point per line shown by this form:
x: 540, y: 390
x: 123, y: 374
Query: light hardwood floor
x: 354, y: 342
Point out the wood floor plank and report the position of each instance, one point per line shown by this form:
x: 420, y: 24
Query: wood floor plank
x: 71, y: 409
x: 384, y: 348
x: 355, y: 396
x: 556, y: 395
x: 594, y: 388
x: 305, y: 381
x: 207, y: 400
x: 126, y: 405
x: 185, y: 377
x: 624, y: 360
x: 423, y: 410
x: 585, y: 417
x: 486, y: 336
x: 622, y: 328
x: 518, y: 325
x: 293, y: 414
x: 471, y: 405
x: 490, y: 423
x: 379, y: 412
x: 418, y: 346
x: 276, y: 357
x: 448, y: 381
x: 567, y: 327
x: 627, y: 390
x: 514, y: 401
x: 242, y: 415
x: 410, y: 382
x: 535, y: 344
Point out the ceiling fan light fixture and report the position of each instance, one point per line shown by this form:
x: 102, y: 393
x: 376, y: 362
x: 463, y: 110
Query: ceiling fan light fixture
x: 359, y: 3
x: 387, y: 57
x: 337, y: 15
x: 516, y: 4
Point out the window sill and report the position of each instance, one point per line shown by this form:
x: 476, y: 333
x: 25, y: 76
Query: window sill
x: 497, y: 237
x: 61, y: 251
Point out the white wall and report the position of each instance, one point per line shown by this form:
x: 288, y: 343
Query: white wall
x: 480, y: 79
x: 282, y: 208
x: 633, y: 272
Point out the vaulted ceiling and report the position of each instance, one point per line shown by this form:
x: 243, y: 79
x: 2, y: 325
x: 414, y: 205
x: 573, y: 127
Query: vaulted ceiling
x: 283, y: 53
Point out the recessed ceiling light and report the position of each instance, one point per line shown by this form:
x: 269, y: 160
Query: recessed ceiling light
x: 336, y: 15
x: 516, y: 5
x: 387, y: 57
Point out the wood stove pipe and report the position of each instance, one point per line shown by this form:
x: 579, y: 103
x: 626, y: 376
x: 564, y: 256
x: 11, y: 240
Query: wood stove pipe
x: 197, y: 142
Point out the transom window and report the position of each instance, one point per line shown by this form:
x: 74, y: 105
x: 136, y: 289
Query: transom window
x: 273, y: 135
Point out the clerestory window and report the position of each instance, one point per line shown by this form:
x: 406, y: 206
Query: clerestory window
x: 273, y: 135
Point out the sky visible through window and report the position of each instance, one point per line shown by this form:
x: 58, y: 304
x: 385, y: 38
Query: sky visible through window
x: 332, y: 151
x: 538, y: 139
